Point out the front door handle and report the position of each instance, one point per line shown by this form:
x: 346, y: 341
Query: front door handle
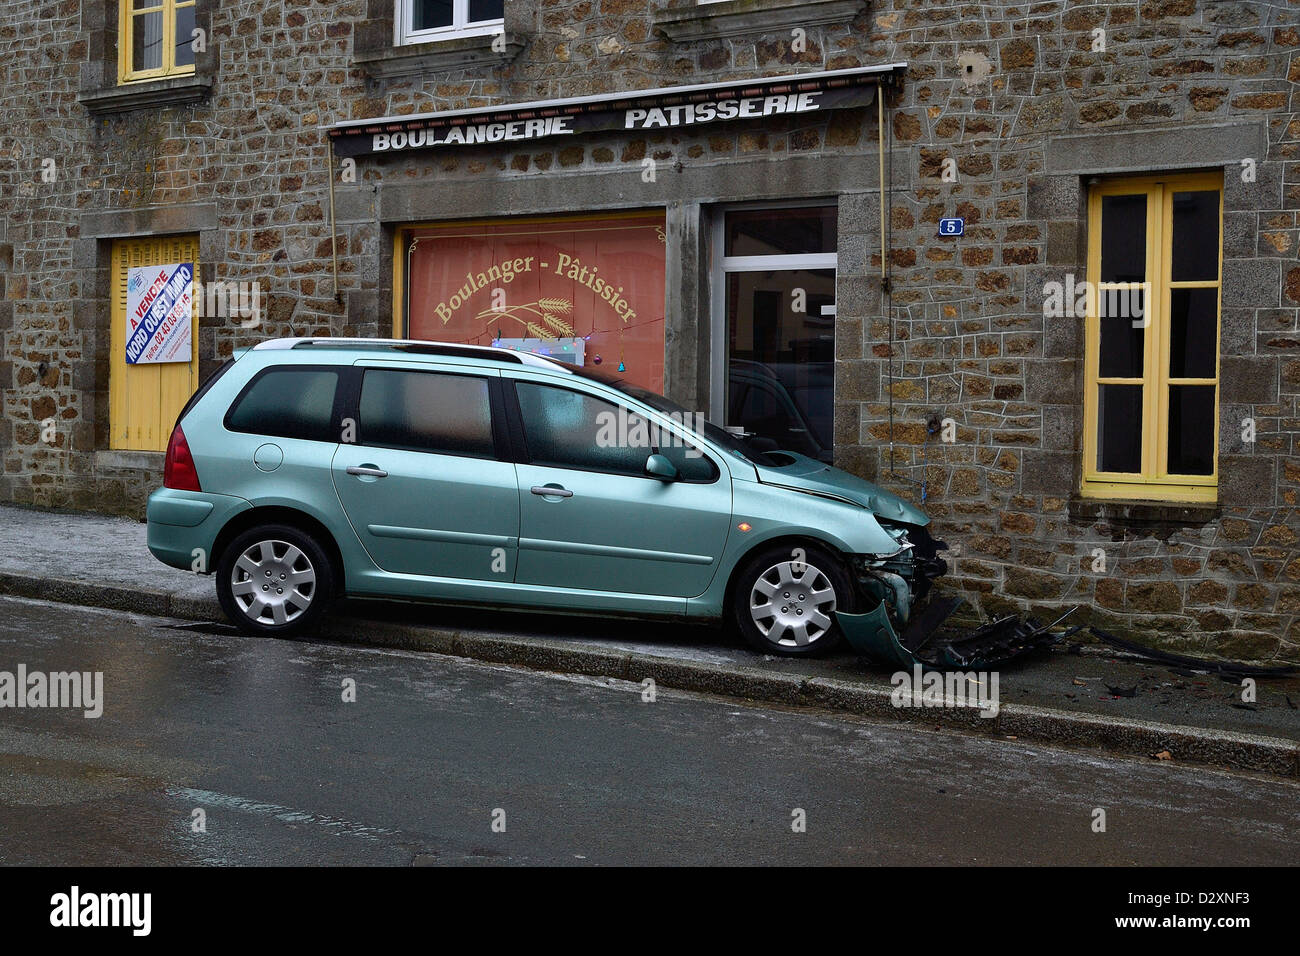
x: 550, y: 491
x: 368, y: 471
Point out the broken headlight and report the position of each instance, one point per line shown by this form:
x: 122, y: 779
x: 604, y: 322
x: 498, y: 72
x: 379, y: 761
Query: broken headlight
x: 899, y: 533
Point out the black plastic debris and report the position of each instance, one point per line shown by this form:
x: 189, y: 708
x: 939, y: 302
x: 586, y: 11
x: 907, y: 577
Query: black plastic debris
x: 998, y: 642
x: 1195, y: 663
x: 1002, y: 641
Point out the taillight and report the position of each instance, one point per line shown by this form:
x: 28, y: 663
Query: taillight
x: 179, y: 472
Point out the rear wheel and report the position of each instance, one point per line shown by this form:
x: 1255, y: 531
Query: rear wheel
x: 274, y: 580
x: 784, y: 600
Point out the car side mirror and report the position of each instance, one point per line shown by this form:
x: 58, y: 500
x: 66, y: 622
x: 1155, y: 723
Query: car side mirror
x: 658, y: 466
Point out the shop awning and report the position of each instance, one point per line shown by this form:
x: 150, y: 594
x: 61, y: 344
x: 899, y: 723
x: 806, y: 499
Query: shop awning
x: 638, y: 110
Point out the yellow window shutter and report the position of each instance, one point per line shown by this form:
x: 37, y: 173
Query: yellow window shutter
x: 144, y: 400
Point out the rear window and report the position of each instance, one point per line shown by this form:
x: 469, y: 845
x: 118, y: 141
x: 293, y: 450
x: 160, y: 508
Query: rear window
x: 288, y: 403
x: 206, y: 387
x: 427, y: 411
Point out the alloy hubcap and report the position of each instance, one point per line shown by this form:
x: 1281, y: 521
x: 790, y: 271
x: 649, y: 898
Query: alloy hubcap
x: 791, y: 604
x: 273, y: 582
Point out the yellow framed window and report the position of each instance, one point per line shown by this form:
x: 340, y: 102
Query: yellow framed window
x: 155, y: 39
x: 1151, y: 422
x: 145, y: 398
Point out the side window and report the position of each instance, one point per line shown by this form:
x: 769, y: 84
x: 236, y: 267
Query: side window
x: 288, y: 403
x: 155, y: 38
x: 1151, y: 408
x: 568, y: 429
x: 426, y: 411
x: 420, y: 21
x: 571, y: 430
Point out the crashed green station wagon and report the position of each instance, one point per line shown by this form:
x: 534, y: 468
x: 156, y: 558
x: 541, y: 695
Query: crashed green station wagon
x: 308, y: 469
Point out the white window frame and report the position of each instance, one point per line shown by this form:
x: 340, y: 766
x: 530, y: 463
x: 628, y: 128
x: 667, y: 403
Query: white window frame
x: 723, y: 265
x: 460, y: 25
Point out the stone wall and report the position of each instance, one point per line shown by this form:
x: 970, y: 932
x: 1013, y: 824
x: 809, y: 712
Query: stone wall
x: 1017, y: 94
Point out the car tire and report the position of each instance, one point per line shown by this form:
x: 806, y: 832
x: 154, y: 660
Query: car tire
x: 274, y: 580
x: 791, y: 621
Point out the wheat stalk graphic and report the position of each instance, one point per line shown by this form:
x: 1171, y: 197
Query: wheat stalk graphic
x: 562, y: 306
x: 547, y: 309
x: 559, y: 325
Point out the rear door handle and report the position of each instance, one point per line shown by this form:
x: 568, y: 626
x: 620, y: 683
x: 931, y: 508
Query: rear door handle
x: 551, y: 492
x: 369, y: 471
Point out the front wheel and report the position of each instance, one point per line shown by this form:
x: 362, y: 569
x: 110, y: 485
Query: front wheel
x: 274, y: 580
x: 785, y: 598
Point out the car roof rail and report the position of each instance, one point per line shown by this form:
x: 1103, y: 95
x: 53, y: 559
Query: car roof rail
x: 418, y: 347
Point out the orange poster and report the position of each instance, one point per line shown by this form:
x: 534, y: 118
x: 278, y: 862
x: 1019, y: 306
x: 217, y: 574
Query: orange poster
x: 589, y: 291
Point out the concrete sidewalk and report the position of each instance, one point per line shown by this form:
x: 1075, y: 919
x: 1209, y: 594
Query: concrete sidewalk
x: 1062, y: 697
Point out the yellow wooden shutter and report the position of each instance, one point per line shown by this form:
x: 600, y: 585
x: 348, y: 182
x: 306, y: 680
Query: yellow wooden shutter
x: 144, y: 400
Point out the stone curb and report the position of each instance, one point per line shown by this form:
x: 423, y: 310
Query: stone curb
x: 1250, y: 752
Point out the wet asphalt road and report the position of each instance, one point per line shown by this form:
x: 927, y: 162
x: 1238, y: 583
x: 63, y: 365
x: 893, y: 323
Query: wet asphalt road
x: 256, y: 734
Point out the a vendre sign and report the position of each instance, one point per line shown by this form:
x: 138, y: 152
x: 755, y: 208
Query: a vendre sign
x: 159, y: 313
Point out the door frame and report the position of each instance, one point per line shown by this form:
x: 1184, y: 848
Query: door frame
x: 144, y: 400
x: 719, y: 267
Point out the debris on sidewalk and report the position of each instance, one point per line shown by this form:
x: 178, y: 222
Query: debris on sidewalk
x: 998, y: 642
x: 1230, y: 668
x: 1007, y: 639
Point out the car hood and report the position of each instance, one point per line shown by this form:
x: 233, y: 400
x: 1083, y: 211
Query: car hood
x: 816, y: 477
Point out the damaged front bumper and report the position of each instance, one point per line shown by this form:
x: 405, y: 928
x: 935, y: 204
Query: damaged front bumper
x: 898, y: 581
x: 872, y: 634
x: 998, y: 642
x: 893, y: 584
x: 891, y: 633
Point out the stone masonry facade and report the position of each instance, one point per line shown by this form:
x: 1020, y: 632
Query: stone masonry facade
x: 1032, y: 101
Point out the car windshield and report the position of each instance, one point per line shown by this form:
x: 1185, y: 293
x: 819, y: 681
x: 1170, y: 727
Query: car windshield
x: 719, y: 436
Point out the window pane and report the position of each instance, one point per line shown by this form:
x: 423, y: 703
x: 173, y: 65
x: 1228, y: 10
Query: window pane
x: 1121, y: 347
x: 1193, y: 332
x: 293, y: 403
x: 425, y: 411
x: 767, y: 232
x: 1191, y: 429
x: 427, y: 14
x: 570, y: 430
x: 1119, y: 428
x: 146, y: 41
x: 1196, y: 236
x: 781, y: 353
x: 1124, y: 238
x: 486, y: 10
x: 184, y: 37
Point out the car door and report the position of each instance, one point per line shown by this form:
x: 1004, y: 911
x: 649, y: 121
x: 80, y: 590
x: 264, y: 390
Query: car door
x: 424, y: 485
x: 590, y: 517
